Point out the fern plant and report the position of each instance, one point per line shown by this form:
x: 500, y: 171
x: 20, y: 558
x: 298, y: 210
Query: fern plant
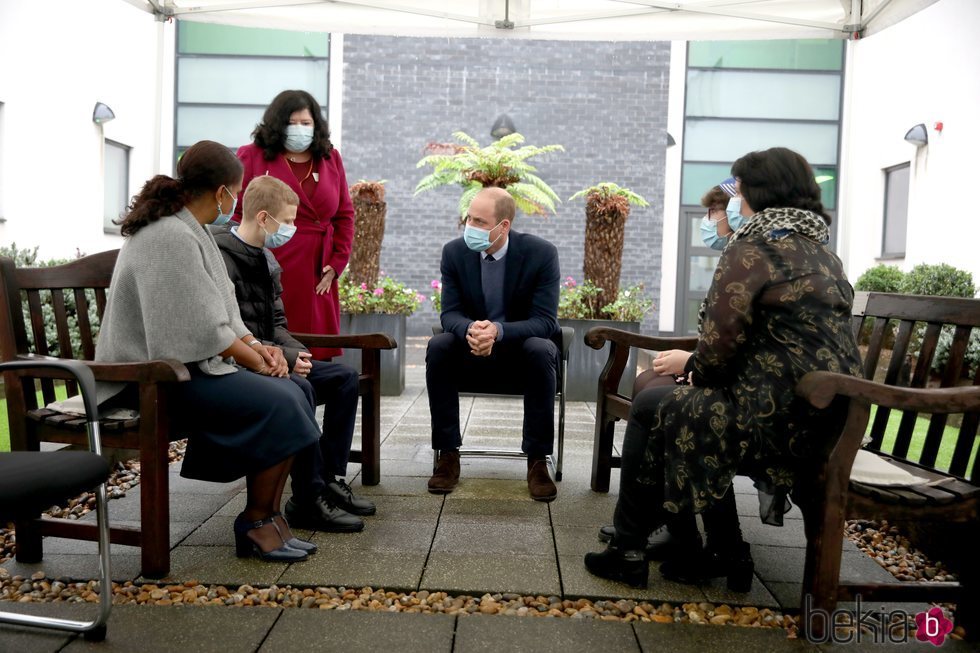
x: 499, y: 164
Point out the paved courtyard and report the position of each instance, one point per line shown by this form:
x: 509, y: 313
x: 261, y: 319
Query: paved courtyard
x: 487, y: 536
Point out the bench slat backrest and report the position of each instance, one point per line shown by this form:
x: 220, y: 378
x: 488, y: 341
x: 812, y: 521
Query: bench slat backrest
x: 910, y: 329
x: 46, y: 311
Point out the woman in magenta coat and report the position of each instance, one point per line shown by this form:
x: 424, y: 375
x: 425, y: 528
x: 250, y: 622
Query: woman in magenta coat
x: 292, y: 143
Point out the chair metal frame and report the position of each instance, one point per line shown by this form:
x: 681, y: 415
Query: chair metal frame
x: 94, y: 630
x: 567, y: 336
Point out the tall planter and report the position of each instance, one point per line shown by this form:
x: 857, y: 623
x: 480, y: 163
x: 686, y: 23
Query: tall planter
x: 605, y: 224
x: 370, y: 210
x: 585, y: 363
x: 392, y: 360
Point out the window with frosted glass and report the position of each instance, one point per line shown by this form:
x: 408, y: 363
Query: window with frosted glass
x: 697, y: 178
x: 752, y: 94
x: 896, y: 211
x: 806, y: 54
x: 211, y: 38
x: 116, y: 184
x: 727, y: 140
x: 226, y: 76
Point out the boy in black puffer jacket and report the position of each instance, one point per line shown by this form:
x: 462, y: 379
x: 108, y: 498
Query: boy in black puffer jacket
x: 322, y: 500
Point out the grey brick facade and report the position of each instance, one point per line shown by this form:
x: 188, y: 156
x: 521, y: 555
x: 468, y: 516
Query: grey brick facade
x: 605, y: 102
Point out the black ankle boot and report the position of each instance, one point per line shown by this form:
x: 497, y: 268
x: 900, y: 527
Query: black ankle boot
x: 623, y: 565
x: 733, y: 562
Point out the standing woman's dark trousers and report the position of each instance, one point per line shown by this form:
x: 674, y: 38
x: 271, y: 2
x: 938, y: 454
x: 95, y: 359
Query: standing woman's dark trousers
x: 529, y: 367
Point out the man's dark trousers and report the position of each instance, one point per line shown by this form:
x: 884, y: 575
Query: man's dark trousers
x: 529, y: 367
x: 336, y: 386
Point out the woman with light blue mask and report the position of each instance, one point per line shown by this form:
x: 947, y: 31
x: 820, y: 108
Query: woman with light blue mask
x: 724, y: 215
x: 292, y: 144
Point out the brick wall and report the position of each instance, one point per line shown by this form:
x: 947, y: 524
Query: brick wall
x: 606, y: 103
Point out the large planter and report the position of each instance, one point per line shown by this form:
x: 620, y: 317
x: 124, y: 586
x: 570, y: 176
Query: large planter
x: 585, y: 363
x: 392, y: 360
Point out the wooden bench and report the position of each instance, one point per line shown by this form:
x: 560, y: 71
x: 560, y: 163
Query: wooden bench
x: 823, y: 491
x: 77, y: 292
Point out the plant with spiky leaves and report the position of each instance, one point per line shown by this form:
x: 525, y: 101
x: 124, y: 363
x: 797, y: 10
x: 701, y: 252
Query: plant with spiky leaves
x: 473, y: 168
x: 607, y: 205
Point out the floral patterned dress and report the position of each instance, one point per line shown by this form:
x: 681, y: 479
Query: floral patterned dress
x: 779, y: 306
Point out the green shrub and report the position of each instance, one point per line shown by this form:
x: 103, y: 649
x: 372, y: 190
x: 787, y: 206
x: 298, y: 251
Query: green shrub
x: 941, y: 280
x: 880, y: 278
x: 27, y: 258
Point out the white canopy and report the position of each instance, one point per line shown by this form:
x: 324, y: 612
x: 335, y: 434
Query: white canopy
x: 599, y: 20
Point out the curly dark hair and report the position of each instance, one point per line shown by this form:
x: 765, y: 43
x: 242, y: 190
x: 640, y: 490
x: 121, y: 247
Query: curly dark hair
x: 203, y: 168
x: 778, y: 178
x: 270, y: 134
x: 715, y: 197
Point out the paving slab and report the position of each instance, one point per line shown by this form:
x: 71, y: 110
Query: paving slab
x: 38, y: 640
x: 462, y: 509
x: 580, y: 506
x: 689, y: 638
x: 76, y: 566
x: 156, y: 629
x: 399, y: 571
x: 405, y: 508
x: 345, y: 631
x: 218, y: 565
x: 389, y: 535
x: 183, y: 506
x: 397, y: 485
x: 779, y: 563
x: 467, y: 573
x: 493, y: 537
x: 493, y: 634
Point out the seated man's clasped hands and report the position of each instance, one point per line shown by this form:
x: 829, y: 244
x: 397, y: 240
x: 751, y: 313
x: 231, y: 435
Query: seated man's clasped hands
x: 500, y: 322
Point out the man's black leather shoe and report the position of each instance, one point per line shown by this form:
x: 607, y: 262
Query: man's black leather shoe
x: 321, y: 515
x: 343, y: 497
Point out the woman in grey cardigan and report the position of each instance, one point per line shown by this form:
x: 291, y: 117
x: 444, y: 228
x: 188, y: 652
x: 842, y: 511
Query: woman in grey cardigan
x: 170, y: 297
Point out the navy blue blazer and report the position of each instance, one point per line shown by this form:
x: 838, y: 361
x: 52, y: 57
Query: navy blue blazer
x: 531, y: 286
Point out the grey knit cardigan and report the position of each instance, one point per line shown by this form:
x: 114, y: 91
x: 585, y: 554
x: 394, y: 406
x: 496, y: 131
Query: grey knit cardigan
x: 170, y: 297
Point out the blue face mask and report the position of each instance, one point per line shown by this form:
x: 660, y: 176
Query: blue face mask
x: 282, y: 235
x: 223, y: 218
x: 298, y: 138
x: 709, y: 234
x: 734, y: 212
x: 479, y: 239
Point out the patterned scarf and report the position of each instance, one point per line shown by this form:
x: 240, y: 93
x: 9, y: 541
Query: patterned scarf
x: 776, y: 224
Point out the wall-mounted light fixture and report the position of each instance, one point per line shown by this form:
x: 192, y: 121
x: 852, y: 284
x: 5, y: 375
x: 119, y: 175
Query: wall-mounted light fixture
x: 102, y: 113
x: 670, y: 140
x: 918, y: 135
x: 502, y: 126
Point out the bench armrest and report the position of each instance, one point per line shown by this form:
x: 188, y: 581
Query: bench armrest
x: 348, y: 341
x: 156, y: 371
x: 820, y: 388
x: 598, y: 336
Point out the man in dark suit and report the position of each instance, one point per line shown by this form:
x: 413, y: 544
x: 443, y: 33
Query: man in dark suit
x: 500, y: 323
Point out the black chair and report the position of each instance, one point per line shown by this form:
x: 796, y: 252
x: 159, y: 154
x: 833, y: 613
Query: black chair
x: 567, y: 335
x: 31, y: 481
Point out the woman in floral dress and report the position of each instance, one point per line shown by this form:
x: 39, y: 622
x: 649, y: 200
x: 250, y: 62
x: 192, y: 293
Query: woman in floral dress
x: 779, y: 306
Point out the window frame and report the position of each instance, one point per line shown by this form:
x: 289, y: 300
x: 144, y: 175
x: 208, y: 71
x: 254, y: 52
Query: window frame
x: 108, y: 226
x: 885, y: 205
